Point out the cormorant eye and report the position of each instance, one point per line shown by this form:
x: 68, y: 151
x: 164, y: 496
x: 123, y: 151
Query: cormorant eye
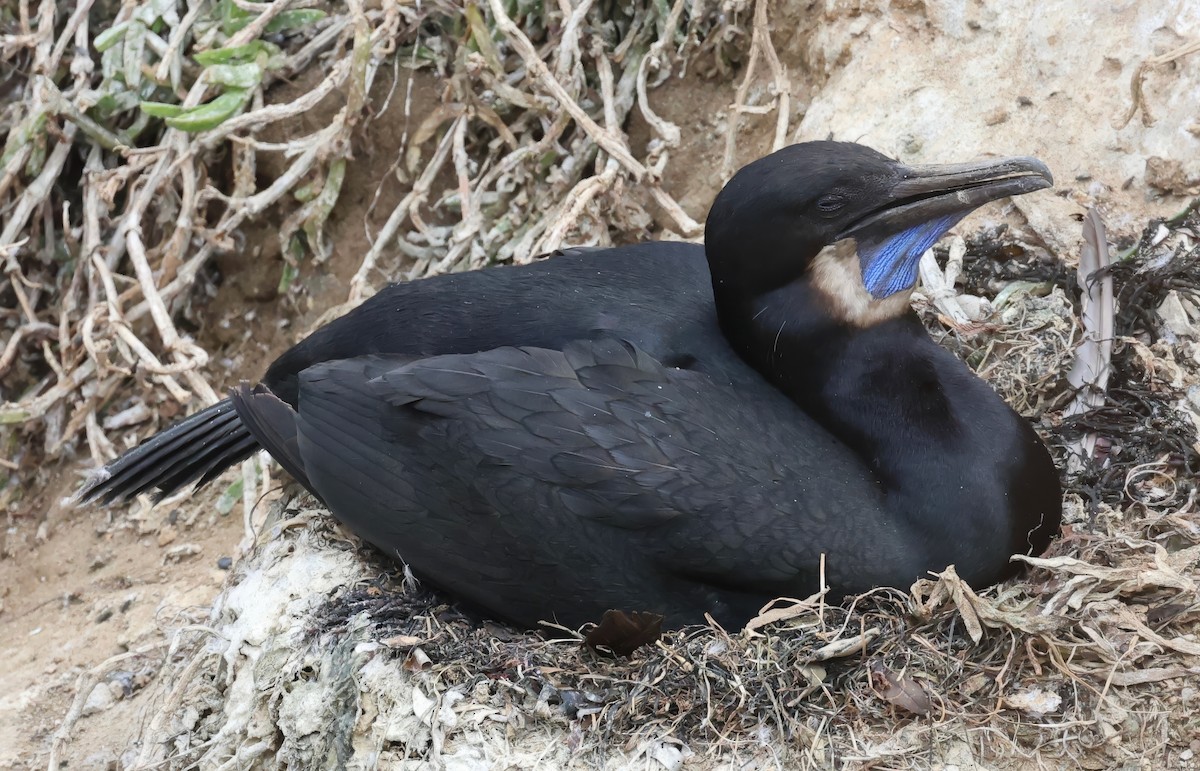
x: 828, y: 204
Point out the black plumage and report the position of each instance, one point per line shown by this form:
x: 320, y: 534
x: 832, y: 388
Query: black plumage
x: 622, y: 428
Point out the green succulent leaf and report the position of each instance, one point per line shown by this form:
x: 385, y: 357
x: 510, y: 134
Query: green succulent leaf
x: 212, y: 114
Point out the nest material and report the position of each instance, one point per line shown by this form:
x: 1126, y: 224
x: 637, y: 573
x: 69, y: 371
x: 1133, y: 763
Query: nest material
x: 312, y: 657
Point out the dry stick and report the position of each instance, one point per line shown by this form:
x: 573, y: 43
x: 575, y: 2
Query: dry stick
x: 45, y: 35
x: 83, y: 688
x: 79, y: 17
x: 71, y: 301
x: 96, y: 269
x: 37, y: 192
x: 362, y: 72
x: 471, y: 220
x: 322, y: 40
x: 569, y: 55
x: 277, y: 112
x: 611, y: 142
x: 31, y: 328
x: 258, y: 203
x: 254, y: 30
x: 462, y: 171
x: 420, y: 189
x: 172, y: 250
x: 666, y: 130
x: 16, y: 162
x: 1139, y: 75
x: 686, y: 226
x: 607, y: 96
x: 191, y: 356
x: 938, y: 285
x: 580, y: 196
x: 169, y: 67
x: 111, y: 308
x: 16, y: 277
x: 172, y: 702
x: 783, y: 86
x: 98, y: 442
x: 760, y: 45
x: 145, y: 277
x: 583, y: 192
x: 59, y: 105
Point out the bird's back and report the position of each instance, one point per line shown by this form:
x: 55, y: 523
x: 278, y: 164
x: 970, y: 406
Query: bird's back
x: 519, y: 479
x: 656, y: 295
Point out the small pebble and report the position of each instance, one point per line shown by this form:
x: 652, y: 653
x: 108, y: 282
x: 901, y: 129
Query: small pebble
x: 101, y: 698
x: 224, y: 563
x: 995, y: 117
x: 181, y: 552
x: 98, y: 559
x: 167, y: 535
x: 104, y: 615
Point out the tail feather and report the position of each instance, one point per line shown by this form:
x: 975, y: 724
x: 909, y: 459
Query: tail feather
x: 204, y: 466
x: 184, y: 457
x: 272, y: 422
x: 197, y: 448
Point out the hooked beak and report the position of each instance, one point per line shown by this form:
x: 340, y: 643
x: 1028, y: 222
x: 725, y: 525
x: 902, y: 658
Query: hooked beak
x: 949, y: 192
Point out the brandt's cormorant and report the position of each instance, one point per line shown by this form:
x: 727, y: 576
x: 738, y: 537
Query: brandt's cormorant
x: 664, y: 427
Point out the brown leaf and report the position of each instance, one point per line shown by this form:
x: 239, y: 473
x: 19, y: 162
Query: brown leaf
x: 845, y: 646
x: 776, y: 611
x: 900, y: 690
x: 624, y: 632
x: 978, y: 612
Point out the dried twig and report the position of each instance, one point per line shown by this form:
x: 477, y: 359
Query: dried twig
x: 760, y: 46
x: 1137, y: 98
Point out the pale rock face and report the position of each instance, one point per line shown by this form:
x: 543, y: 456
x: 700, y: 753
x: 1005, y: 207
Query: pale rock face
x: 946, y: 80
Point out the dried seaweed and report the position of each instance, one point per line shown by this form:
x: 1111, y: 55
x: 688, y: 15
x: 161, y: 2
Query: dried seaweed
x: 1144, y: 421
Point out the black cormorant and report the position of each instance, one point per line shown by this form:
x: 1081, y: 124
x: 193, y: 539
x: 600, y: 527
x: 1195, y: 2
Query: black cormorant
x: 664, y: 427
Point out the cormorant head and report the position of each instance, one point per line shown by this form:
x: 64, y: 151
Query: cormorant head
x: 848, y: 220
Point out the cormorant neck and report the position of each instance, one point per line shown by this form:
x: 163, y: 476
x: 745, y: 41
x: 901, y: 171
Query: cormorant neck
x: 795, y: 335
x: 941, y: 443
